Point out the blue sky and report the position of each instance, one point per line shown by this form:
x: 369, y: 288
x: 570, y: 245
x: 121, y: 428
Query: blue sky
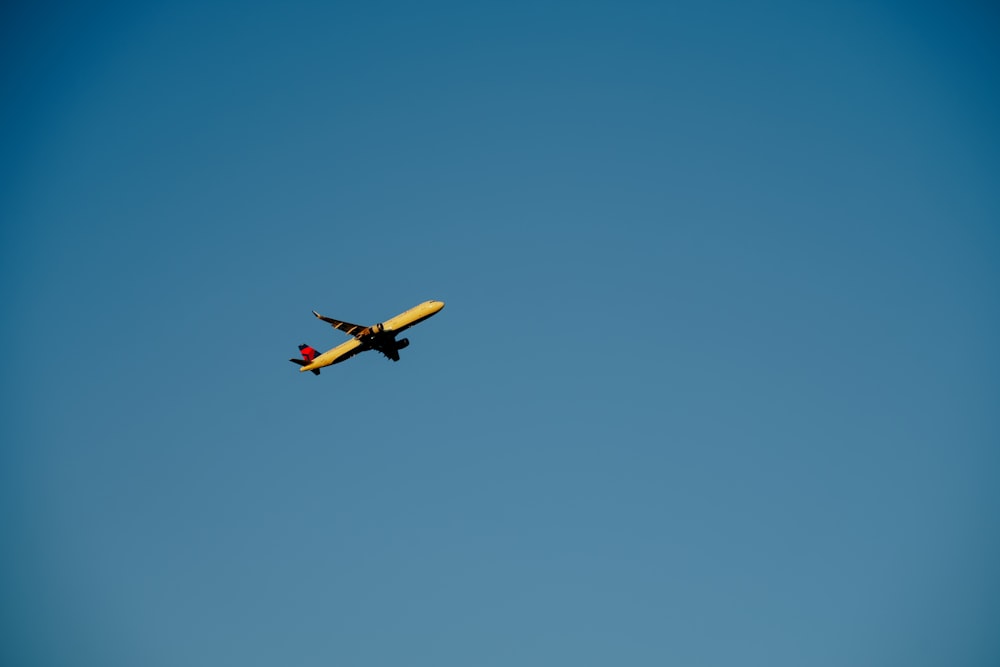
x: 716, y: 383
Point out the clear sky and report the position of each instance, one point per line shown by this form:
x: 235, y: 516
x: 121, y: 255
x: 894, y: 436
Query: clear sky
x: 717, y: 382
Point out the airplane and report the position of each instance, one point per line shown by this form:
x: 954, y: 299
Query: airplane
x: 380, y: 337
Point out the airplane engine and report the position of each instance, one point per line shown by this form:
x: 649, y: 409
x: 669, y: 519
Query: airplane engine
x: 402, y: 342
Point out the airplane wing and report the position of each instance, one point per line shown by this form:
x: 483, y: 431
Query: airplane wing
x: 346, y: 327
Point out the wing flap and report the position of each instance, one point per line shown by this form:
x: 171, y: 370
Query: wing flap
x: 346, y: 327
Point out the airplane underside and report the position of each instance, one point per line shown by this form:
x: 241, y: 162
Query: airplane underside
x: 387, y: 345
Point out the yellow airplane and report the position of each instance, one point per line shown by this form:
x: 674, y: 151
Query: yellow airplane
x: 380, y: 337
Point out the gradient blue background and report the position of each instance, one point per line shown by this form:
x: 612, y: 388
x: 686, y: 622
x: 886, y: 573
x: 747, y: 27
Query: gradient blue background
x: 717, y: 382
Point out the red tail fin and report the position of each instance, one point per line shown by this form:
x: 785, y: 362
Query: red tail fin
x: 308, y: 355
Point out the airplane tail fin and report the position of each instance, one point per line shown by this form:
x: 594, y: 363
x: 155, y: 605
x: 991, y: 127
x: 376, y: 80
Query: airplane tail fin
x: 308, y: 355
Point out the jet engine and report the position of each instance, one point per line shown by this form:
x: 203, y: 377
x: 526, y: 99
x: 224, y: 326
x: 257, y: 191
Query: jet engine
x: 402, y: 342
